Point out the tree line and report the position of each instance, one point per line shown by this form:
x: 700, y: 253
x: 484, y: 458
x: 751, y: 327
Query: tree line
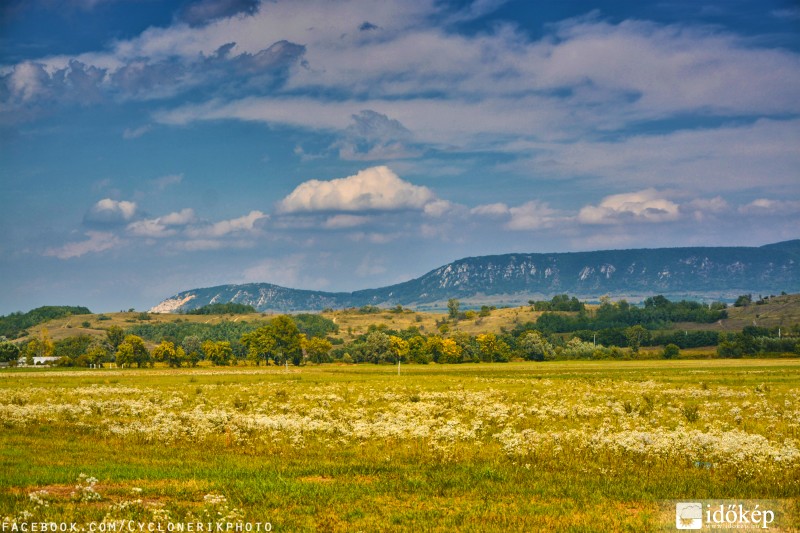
x: 613, y: 330
x: 15, y: 325
x: 280, y: 342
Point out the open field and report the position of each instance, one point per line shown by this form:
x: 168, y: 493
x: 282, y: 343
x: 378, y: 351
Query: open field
x: 581, y: 446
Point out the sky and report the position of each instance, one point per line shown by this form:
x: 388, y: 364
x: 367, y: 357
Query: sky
x: 149, y: 147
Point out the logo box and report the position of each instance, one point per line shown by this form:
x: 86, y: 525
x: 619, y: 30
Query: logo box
x: 689, y: 515
x: 726, y: 515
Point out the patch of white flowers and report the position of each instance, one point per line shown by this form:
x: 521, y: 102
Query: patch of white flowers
x: 727, y: 426
x: 85, y: 491
x: 216, y: 509
x: 39, y: 498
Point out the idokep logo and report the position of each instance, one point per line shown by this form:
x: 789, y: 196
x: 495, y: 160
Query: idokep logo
x: 722, y: 515
x: 689, y: 515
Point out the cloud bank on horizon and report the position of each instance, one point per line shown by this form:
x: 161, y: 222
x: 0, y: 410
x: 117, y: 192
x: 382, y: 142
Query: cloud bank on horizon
x: 156, y: 147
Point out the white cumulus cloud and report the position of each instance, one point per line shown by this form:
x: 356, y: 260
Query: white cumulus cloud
x: 108, y: 211
x: 640, y: 206
x: 372, y: 189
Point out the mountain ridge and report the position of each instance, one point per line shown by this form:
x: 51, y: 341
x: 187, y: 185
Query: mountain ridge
x: 514, y: 278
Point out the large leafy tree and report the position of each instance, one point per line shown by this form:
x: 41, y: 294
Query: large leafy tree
x: 193, y: 348
x: 535, y: 347
x: 97, y: 352
x: 433, y: 348
x: 218, y: 352
x: 259, y: 344
x: 377, y: 347
x: 492, y: 348
x: 133, y: 351
x: 287, y: 340
x: 166, y: 352
x: 9, y: 352
x: 451, y: 352
x: 115, y: 335
x: 636, y: 335
x: 317, y: 349
x: 280, y: 340
x: 399, y: 348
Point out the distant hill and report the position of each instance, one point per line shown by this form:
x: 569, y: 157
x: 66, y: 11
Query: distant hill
x: 719, y: 273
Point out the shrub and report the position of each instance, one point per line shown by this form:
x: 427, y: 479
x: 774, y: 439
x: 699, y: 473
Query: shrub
x: 671, y: 351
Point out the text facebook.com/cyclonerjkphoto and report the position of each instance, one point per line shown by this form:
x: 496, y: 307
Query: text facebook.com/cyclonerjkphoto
x: 132, y: 526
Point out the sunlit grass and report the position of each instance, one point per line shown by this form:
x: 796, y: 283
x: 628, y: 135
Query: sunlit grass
x: 568, y: 445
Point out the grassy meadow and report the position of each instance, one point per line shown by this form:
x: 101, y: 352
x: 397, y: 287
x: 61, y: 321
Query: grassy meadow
x: 576, y: 446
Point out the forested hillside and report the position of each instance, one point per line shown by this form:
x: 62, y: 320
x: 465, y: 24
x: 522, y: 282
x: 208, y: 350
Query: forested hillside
x: 16, y: 324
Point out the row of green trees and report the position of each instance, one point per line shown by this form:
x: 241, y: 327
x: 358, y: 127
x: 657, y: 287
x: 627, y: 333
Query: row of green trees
x: 754, y: 340
x: 312, y: 325
x: 280, y: 341
x: 381, y: 345
x: 306, y: 338
x: 15, y: 325
x: 230, y: 308
x: 655, y: 313
x: 560, y: 302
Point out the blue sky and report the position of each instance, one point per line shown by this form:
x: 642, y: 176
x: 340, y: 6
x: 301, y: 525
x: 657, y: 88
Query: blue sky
x: 149, y: 147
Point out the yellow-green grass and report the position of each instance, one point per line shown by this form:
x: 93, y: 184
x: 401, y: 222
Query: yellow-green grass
x: 580, y: 446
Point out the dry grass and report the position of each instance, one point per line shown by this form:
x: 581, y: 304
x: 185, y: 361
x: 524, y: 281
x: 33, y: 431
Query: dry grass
x: 352, y: 323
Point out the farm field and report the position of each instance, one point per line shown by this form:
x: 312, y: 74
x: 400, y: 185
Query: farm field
x: 574, y: 445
